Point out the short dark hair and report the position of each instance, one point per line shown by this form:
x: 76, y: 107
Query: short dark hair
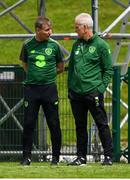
x: 40, y: 21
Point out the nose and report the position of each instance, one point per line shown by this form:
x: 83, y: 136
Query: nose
x: 50, y: 32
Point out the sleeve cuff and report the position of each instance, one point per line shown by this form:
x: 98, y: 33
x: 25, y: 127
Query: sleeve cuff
x: 101, y: 88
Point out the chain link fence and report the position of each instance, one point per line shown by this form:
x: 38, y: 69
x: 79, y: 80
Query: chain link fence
x: 11, y: 120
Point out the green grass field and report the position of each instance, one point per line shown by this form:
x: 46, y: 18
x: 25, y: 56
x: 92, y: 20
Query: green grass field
x: 62, y: 14
x: 44, y: 170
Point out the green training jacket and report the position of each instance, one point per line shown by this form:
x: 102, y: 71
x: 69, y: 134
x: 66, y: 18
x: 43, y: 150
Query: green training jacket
x: 90, y: 66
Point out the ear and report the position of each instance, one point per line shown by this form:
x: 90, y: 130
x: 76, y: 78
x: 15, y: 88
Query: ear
x: 37, y: 29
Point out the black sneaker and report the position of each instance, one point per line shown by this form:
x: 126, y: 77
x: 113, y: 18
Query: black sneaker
x: 79, y: 161
x: 55, y: 160
x: 107, y: 161
x: 26, y: 162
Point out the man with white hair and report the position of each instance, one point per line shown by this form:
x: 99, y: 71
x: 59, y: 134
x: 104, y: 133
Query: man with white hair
x: 90, y: 71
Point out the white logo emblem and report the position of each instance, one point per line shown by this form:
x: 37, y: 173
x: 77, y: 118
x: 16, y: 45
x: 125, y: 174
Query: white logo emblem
x: 48, y: 51
x: 92, y: 49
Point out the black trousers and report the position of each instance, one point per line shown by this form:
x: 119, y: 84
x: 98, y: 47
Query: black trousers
x: 80, y: 105
x: 47, y: 97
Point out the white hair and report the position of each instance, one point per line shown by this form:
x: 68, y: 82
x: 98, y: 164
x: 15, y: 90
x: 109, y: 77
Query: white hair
x: 85, y: 19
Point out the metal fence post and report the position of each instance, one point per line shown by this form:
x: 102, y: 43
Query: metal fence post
x: 128, y: 114
x: 116, y: 114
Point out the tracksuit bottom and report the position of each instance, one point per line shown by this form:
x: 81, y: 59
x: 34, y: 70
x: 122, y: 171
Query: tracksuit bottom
x: 47, y: 97
x: 80, y: 105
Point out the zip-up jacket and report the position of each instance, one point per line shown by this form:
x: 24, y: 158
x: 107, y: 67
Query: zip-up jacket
x: 90, y: 66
